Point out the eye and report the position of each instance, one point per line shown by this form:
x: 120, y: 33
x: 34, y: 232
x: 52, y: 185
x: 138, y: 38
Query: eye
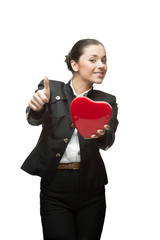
x: 92, y: 60
x: 104, y: 60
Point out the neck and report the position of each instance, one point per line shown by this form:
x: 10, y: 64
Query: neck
x: 80, y: 86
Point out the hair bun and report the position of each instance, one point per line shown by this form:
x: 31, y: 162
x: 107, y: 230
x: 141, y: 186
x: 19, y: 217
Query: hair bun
x: 68, y: 61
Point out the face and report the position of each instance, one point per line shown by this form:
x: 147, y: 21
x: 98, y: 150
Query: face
x: 92, y: 65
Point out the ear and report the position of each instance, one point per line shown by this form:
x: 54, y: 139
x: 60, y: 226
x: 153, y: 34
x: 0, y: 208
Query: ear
x: 74, y: 66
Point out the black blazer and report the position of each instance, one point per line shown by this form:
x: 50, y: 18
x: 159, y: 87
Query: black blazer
x: 57, y: 129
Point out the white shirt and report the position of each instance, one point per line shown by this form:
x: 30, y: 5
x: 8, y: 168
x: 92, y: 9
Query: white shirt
x: 72, y: 152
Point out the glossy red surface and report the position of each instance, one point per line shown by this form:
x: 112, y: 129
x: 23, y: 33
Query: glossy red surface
x: 88, y: 116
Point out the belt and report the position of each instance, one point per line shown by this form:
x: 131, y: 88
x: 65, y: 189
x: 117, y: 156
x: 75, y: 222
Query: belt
x: 69, y: 166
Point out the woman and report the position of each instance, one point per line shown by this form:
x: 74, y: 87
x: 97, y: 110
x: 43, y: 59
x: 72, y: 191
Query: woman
x: 73, y: 175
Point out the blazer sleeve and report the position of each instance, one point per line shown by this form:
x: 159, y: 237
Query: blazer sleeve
x: 36, y: 118
x: 107, y: 140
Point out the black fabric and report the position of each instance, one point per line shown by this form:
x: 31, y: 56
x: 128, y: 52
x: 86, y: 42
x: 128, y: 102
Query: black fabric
x: 68, y: 213
x: 57, y: 125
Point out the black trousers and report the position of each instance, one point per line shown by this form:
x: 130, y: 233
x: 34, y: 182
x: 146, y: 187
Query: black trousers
x: 67, y: 213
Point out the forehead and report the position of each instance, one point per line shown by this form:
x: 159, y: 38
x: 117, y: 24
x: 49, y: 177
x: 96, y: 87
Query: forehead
x: 97, y: 50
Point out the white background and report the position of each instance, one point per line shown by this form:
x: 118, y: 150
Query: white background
x: 35, y: 37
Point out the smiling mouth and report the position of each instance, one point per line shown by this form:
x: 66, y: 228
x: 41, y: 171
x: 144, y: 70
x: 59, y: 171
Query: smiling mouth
x: 100, y: 74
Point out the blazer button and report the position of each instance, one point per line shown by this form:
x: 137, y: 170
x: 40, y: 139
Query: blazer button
x: 58, y: 97
x: 58, y: 154
x: 66, y: 140
x: 72, y: 125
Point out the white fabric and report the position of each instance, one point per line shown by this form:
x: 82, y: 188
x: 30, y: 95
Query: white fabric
x: 72, y: 152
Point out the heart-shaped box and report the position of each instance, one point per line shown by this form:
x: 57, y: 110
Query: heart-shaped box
x: 88, y: 116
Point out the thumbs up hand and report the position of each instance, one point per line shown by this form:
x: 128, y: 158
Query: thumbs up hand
x: 40, y: 97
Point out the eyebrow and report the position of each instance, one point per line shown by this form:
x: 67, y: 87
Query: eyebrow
x: 94, y: 55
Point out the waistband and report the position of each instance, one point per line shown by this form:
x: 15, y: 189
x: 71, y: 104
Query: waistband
x: 69, y: 166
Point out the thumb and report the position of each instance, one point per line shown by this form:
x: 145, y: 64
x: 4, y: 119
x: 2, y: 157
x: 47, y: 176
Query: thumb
x: 46, y: 87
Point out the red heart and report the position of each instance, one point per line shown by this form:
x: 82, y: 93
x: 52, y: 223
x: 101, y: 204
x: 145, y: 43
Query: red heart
x: 88, y: 116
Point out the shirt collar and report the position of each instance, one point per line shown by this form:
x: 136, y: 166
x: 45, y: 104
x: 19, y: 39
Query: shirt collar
x: 82, y: 94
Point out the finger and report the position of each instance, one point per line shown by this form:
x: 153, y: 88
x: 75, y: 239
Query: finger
x: 42, y: 95
x: 107, y: 127
x: 94, y: 136
x: 33, y: 102
x: 33, y: 106
x: 38, y: 99
x: 101, y: 132
x: 46, y: 83
x: 46, y: 87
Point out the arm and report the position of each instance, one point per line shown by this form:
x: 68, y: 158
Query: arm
x: 105, y: 138
x: 36, y: 118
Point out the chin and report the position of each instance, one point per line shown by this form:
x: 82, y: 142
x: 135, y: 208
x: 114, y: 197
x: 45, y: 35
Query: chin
x: 98, y: 81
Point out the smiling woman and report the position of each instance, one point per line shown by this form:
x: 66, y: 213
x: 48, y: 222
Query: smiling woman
x: 71, y: 168
x: 91, y: 66
x: 88, y: 65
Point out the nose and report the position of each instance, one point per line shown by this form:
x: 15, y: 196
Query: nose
x: 100, y: 64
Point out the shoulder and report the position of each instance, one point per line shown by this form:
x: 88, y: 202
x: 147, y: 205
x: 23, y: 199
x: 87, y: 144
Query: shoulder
x: 56, y: 84
x: 98, y: 95
x: 53, y: 83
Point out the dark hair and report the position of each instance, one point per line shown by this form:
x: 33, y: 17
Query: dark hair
x: 77, y: 51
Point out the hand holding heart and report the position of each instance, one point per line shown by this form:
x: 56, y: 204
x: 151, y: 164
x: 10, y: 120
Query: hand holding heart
x: 90, y: 117
x: 101, y: 132
x: 40, y: 97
